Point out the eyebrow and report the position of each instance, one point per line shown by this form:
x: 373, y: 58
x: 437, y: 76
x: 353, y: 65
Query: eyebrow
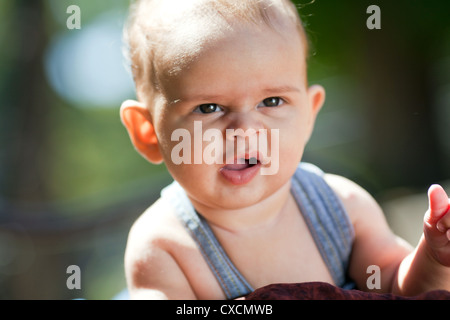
x: 271, y: 91
x: 281, y: 89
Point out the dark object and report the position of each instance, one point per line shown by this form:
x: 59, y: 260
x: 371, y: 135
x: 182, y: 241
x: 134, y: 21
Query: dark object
x: 325, y: 291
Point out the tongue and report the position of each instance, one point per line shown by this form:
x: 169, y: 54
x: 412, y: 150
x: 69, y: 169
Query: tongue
x: 236, y: 166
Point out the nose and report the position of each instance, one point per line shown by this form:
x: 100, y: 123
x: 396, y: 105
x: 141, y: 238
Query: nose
x: 243, y: 126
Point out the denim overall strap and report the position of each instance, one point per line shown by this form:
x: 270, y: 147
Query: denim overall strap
x: 230, y: 279
x: 327, y: 220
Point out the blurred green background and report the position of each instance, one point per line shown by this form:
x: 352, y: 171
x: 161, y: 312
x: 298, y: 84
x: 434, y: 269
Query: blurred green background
x: 71, y: 184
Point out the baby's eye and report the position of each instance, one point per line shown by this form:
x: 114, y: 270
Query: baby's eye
x: 271, y: 102
x: 207, y: 108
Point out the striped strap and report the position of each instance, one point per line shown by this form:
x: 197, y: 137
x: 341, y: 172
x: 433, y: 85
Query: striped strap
x: 230, y: 279
x: 326, y: 218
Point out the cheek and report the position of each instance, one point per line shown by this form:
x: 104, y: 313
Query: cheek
x: 293, y: 138
x: 168, y: 131
x: 295, y: 130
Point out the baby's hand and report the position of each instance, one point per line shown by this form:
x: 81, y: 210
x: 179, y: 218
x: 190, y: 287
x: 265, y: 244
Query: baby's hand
x: 436, y: 227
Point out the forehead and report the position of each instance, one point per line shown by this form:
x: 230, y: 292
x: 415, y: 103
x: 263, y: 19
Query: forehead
x: 246, y: 62
x: 250, y: 43
x: 195, y: 28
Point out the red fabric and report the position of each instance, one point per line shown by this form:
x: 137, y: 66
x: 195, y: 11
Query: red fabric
x: 325, y: 291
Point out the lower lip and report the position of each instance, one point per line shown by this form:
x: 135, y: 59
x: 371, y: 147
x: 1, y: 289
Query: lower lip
x: 240, y: 177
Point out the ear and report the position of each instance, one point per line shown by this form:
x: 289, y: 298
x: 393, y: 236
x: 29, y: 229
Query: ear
x: 316, y: 96
x: 138, y: 121
x: 316, y: 99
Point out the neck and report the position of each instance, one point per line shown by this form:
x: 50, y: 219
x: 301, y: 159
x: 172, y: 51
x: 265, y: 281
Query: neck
x: 258, y: 216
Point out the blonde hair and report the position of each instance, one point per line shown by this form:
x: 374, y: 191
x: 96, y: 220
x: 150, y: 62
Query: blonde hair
x: 175, y: 31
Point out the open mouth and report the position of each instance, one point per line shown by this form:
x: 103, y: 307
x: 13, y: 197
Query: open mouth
x: 242, y: 171
x: 242, y: 164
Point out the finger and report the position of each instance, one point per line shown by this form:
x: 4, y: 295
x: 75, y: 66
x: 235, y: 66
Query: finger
x: 443, y: 225
x: 438, y: 204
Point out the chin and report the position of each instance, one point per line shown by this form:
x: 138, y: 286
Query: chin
x: 239, y: 197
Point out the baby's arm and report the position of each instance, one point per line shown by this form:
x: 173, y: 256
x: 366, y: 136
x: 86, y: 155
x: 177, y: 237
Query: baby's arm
x: 428, y: 267
x: 375, y: 244
x: 404, y: 271
x: 152, y: 272
x: 154, y: 275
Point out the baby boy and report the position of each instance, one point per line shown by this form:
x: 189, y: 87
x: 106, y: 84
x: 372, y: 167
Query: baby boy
x: 223, y: 101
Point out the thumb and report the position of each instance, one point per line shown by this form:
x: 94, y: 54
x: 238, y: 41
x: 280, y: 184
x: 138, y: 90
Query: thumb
x: 438, y: 204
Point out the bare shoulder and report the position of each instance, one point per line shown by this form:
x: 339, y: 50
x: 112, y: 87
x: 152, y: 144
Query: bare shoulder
x: 156, y: 224
x: 356, y: 200
x: 364, y: 211
x: 151, y: 258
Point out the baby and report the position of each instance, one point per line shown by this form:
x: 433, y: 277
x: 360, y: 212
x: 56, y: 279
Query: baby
x: 224, y: 102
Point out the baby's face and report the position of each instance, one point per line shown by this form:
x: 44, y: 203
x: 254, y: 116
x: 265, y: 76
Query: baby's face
x: 248, y: 91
